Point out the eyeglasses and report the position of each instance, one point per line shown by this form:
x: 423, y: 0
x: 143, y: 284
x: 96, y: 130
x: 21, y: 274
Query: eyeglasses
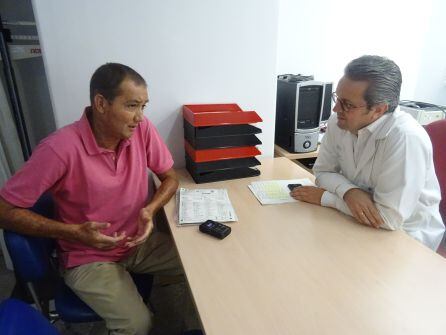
x: 345, y: 106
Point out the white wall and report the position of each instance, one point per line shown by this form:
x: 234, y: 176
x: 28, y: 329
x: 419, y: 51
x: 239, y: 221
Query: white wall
x: 320, y: 37
x: 189, y: 52
x: 431, y: 84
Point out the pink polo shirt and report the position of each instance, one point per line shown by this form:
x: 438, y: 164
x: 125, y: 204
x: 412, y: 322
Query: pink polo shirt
x: 89, y: 183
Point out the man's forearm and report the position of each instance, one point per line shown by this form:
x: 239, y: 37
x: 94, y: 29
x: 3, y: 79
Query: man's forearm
x: 332, y: 200
x: 24, y: 221
x: 163, y: 194
x: 333, y: 182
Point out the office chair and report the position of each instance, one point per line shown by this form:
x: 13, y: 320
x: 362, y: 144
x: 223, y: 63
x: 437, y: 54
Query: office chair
x: 35, y: 265
x: 18, y: 318
x: 437, y: 134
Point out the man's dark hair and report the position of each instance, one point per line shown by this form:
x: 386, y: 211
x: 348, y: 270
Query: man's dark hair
x: 383, y: 76
x: 108, y: 77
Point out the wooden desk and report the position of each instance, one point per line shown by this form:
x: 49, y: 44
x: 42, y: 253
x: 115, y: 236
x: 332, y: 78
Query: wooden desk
x: 281, y: 152
x: 304, y: 269
x: 295, y: 157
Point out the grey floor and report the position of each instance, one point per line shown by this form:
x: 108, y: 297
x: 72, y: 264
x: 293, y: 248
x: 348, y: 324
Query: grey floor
x: 171, y: 315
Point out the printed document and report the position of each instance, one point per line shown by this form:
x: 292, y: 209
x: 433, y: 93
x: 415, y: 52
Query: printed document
x: 270, y: 192
x: 199, y: 205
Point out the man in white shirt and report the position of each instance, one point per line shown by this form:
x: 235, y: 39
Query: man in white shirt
x: 375, y: 162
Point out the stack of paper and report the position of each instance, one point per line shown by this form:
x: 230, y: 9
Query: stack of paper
x: 199, y: 205
x: 275, y: 191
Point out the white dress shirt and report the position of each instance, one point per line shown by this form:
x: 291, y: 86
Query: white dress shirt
x: 392, y: 160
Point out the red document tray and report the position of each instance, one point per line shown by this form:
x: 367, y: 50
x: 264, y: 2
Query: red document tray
x: 207, y: 155
x: 218, y: 115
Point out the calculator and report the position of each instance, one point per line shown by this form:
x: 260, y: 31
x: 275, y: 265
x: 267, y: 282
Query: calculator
x: 215, y: 229
x: 292, y: 186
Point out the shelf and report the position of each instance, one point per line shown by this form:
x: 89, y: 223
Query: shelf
x: 218, y: 115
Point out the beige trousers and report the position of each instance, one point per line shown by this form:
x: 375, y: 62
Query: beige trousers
x: 109, y: 290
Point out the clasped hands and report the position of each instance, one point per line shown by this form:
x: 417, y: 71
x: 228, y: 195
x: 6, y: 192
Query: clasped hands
x: 90, y: 233
x: 359, y: 202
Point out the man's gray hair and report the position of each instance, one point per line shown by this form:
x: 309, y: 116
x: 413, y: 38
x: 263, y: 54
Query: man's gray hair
x: 383, y: 76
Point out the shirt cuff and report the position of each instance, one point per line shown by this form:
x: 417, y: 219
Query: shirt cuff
x: 328, y: 199
x: 343, y: 188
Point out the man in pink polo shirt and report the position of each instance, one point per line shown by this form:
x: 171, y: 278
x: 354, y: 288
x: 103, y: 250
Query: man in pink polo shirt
x: 96, y: 170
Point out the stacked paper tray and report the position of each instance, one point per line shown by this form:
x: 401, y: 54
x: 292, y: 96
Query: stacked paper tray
x: 218, y: 115
x: 220, y: 142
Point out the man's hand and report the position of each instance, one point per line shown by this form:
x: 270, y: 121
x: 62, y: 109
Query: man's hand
x: 145, y: 227
x: 89, y: 233
x: 311, y: 194
x: 362, y: 207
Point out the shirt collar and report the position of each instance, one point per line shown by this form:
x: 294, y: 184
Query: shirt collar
x: 88, y: 138
x: 381, y: 127
x: 388, y: 123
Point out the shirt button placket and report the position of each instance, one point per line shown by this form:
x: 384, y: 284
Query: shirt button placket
x: 113, y: 157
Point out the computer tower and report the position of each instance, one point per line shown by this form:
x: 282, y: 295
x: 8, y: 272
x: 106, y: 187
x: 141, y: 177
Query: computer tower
x: 300, y: 107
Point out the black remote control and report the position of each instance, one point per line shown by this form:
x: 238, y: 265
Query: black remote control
x: 291, y: 186
x: 215, y: 229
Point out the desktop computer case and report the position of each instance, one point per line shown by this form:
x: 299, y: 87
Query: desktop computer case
x: 300, y: 108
